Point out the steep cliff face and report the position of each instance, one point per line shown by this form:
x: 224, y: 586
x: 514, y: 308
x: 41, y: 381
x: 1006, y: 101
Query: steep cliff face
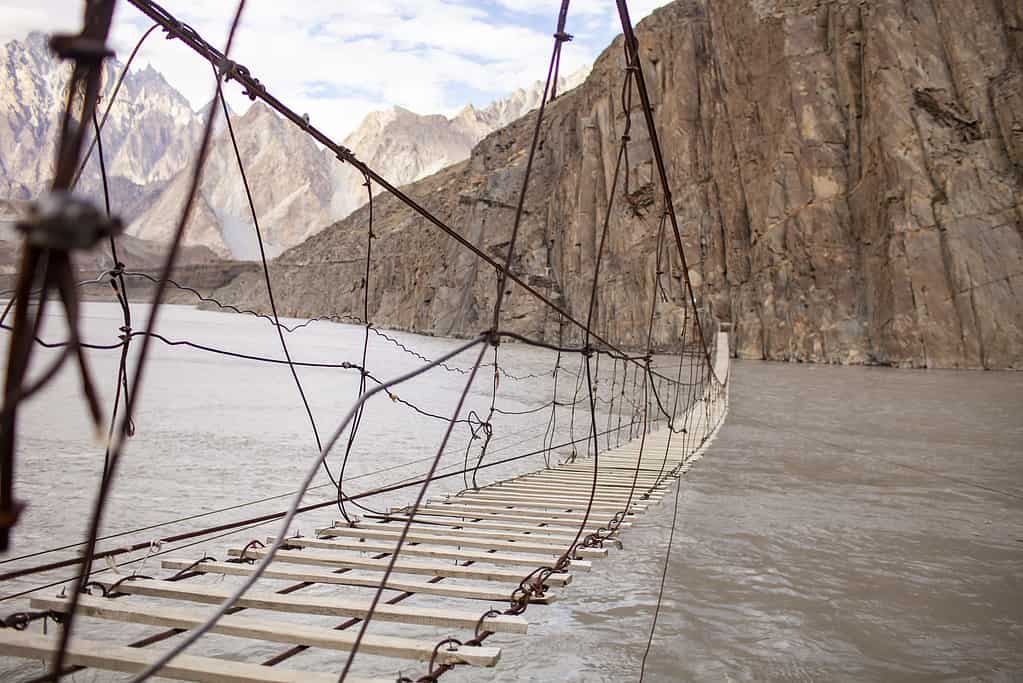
x: 404, y: 146
x: 848, y: 175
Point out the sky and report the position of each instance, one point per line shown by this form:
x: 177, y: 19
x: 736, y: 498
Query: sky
x: 338, y: 60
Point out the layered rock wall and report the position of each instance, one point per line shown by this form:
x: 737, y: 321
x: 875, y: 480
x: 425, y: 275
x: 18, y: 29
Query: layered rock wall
x: 848, y: 177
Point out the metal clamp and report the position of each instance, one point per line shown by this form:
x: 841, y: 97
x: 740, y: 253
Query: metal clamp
x: 59, y: 220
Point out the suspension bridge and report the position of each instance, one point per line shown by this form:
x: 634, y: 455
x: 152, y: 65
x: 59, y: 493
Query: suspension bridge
x: 483, y: 560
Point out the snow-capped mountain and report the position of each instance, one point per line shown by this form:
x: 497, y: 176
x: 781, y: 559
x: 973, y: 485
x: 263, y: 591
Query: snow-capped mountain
x: 147, y: 137
x: 152, y: 133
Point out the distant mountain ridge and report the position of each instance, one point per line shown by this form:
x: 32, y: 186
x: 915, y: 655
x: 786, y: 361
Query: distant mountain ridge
x: 147, y: 138
x: 153, y: 131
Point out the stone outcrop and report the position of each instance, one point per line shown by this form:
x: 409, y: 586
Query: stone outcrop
x: 848, y: 177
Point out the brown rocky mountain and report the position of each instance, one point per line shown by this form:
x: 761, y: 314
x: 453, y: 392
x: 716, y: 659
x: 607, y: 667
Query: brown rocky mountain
x: 848, y: 175
x: 404, y: 146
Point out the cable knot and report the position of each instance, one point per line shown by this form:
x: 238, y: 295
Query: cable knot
x: 59, y: 220
x: 227, y: 69
x: 492, y: 336
x: 588, y: 351
x: 80, y: 48
x: 345, y: 155
x: 18, y: 621
x: 117, y: 270
x: 563, y: 37
x: 254, y: 543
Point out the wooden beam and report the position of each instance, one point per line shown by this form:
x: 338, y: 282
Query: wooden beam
x: 434, y: 552
x: 335, y: 607
x: 556, y: 536
x: 100, y: 655
x: 341, y: 560
x: 243, y: 626
x: 575, y: 514
x: 467, y: 512
x: 564, y: 531
x: 540, y: 503
x: 571, y: 493
x: 290, y: 573
x: 456, y: 537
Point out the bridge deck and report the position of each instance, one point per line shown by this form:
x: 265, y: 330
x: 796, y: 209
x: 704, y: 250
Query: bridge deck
x: 492, y: 538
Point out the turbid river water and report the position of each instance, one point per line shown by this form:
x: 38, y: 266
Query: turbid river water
x: 846, y: 524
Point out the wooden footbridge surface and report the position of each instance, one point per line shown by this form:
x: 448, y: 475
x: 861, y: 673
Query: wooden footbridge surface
x: 470, y: 551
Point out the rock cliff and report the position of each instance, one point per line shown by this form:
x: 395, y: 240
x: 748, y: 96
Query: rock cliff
x: 848, y: 175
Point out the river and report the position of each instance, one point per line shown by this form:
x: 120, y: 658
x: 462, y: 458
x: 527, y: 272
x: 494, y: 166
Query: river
x: 846, y: 524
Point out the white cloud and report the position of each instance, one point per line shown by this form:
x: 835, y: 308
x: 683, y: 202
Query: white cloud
x: 337, y: 61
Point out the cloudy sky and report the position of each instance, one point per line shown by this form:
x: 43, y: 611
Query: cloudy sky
x: 338, y: 60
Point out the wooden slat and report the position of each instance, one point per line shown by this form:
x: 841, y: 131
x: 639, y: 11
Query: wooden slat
x: 469, y: 512
x: 539, y: 490
x: 557, y: 538
x: 490, y: 529
x: 582, y: 485
x: 329, y: 559
x: 518, y: 502
x: 100, y: 655
x: 243, y: 626
x: 564, y: 529
x: 606, y: 474
x: 581, y: 480
x: 337, y: 607
x: 290, y: 573
x: 434, y: 552
x: 556, y: 493
x: 575, y: 513
x: 450, y: 537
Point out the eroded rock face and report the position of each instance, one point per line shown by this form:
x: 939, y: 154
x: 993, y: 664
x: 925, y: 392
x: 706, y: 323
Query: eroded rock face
x: 847, y: 175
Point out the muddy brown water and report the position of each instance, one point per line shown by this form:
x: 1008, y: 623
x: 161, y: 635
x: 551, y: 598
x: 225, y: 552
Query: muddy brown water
x: 846, y: 523
x: 851, y: 524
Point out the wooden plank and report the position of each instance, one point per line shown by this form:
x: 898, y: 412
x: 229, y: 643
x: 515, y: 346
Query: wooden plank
x: 243, y: 626
x: 474, y: 512
x: 560, y: 490
x: 564, y: 530
x: 335, y: 607
x: 287, y: 573
x: 434, y: 552
x: 541, y: 533
x: 107, y: 657
x: 540, y: 490
x: 575, y: 513
x: 333, y: 559
x: 649, y: 468
x: 580, y: 479
x: 468, y: 539
x: 558, y: 536
x: 511, y: 500
x: 608, y: 473
x: 583, y: 483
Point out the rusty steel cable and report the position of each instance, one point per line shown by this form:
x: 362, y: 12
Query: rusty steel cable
x: 531, y: 583
x: 256, y: 90
x: 51, y: 233
x: 117, y: 446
